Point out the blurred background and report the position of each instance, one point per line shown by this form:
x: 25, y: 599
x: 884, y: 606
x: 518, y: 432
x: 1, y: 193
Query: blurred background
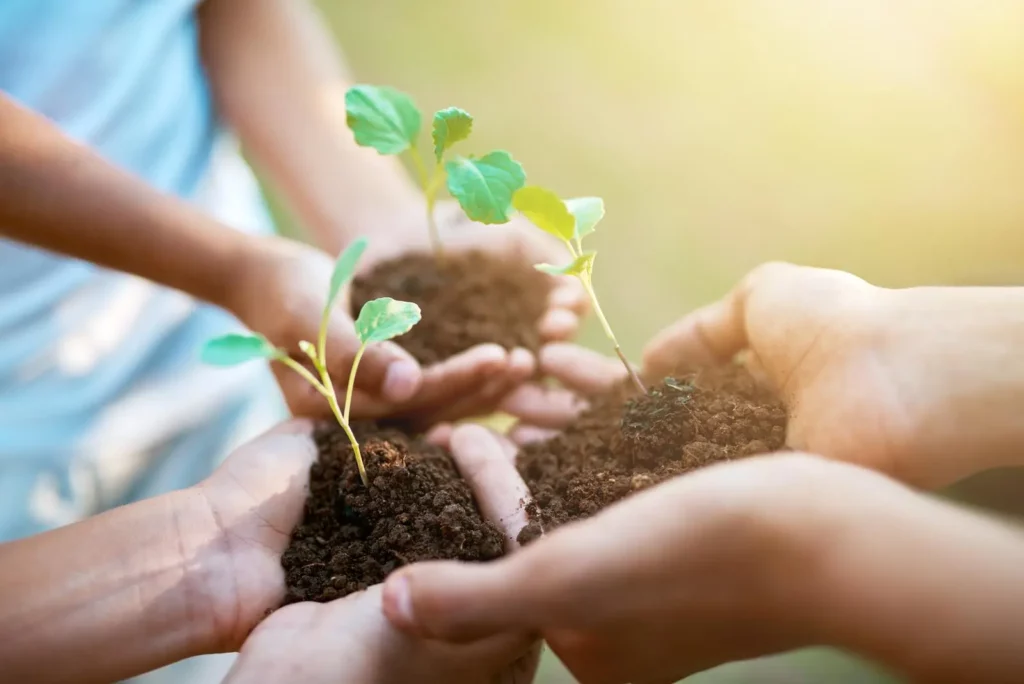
x: 883, y: 138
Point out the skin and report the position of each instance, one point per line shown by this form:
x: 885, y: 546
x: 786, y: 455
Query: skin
x: 772, y: 553
x: 195, y: 571
x: 922, y: 384
x: 279, y: 84
x: 739, y: 560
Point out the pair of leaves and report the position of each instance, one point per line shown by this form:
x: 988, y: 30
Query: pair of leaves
x: 379, y: 320
x: 388, y: 121
x: 581, y: 265
x: 567, y: 220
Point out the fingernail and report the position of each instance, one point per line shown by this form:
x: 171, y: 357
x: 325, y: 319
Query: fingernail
x: 401, y: 380
x: 398, y: 602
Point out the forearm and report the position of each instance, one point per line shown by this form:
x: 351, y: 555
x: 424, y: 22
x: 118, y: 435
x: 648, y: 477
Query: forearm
x: 928, y: 589
x: 279, y: 82
x: 109, y: 597
x: 60, y: 196
x: 958, y: 356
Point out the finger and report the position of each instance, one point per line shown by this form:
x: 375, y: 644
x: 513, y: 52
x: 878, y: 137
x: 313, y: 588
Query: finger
x: 440, y: 434
x: 484, y: 462
x: 710, y: 335
x: 294, y: 426
x: 442, y: 384
x: 385, y: 369
x: 485, y: 399
x: 546, y: 407
x: 523, y: 434
x: 567, y: 293
x: 558, y: 324
x: 580, y: 369
x: 303, y: 400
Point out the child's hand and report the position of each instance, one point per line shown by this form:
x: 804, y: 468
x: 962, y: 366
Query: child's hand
x: 350, y: 640
x: 279, y: 292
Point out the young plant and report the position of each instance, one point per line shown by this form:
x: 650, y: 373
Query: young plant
x: 379, y: 320
x: 570, y: 221
x: 388, y: 121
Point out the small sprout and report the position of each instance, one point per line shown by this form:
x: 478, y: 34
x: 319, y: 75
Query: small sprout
x: 388, y: 121
x: 378, y: 321
x: 570, y: 221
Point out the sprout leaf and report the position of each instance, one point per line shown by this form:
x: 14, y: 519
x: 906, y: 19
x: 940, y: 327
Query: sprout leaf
x: 484, y: 186
x: 382, y: 118
x: 583, y: 264
x: 588, y: 212
x: 450, y: 126
x: 232, y: 349
x: 385, y: 318
x: 545, y: 210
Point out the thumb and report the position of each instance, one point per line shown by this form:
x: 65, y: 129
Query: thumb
x: 459, y: 601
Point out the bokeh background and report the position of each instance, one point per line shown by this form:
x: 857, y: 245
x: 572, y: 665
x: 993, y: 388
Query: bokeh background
x: 881, y: 137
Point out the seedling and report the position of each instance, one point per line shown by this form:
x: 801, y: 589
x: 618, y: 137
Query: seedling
x: 378, y: 321
x: 388, y: 121
x: 570, y: 221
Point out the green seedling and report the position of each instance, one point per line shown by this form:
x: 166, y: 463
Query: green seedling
x: 570, y: 221
x: 378, y: 321
x: 389, y: 121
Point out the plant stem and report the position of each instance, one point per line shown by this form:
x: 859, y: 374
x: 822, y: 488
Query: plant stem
x: 326, y: 388
x: 430, y: 186
x: 589, y: 287
x: 352, y: 380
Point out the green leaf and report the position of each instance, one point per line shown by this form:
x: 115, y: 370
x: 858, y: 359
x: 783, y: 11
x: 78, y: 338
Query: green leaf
x: 588, y: 212
x: 344, y: 267
x: 546, y: 211
x: 484, y: 186
x: 229, y: 350
x: 584, y: 263
x: 385, y: 318
x: 450, y: 126
x: 382, y: 118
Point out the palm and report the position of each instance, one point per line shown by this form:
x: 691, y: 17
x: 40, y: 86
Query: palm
x: 257, y: 498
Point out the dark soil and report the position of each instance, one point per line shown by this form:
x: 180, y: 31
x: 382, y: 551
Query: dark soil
x: 416, y: 508
x: 467, y: 299
x: 625, y: 443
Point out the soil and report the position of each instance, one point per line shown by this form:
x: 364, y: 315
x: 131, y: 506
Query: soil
x: 467, y: 299
x: 625, y: 443
x: 416, y: 508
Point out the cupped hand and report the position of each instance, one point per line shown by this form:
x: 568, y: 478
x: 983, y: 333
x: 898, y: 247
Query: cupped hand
x: 351, y: 640
x: 280, y: 293
x: 921, y: 384
x: 716, y: 566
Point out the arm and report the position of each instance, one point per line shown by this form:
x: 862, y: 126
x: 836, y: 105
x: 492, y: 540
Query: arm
x: 278, y: 81
x: 110, y: 597
x: 740, y: 560
x: 59, y: 195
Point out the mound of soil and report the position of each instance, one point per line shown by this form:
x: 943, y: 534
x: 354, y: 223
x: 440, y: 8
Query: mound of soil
x: 417, y: 507
x: 624, y: 443
x: 467, y: 299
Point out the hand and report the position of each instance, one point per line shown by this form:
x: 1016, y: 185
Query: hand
x: 740, y: 560
x: 923, y: 384
x: 350, y: 639
x: 255, y: 499
x: 280, y: 293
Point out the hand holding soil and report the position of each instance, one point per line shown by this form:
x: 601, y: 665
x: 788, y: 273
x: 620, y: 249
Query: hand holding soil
x: 739, y: 560
x: 350, y: 635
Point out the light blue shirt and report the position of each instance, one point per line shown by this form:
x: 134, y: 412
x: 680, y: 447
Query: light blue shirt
x: 100, y: 386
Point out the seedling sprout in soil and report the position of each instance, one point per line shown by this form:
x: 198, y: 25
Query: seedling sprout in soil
x: 379, y: 320
x: 389, y: 121
x: 570, y: 221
